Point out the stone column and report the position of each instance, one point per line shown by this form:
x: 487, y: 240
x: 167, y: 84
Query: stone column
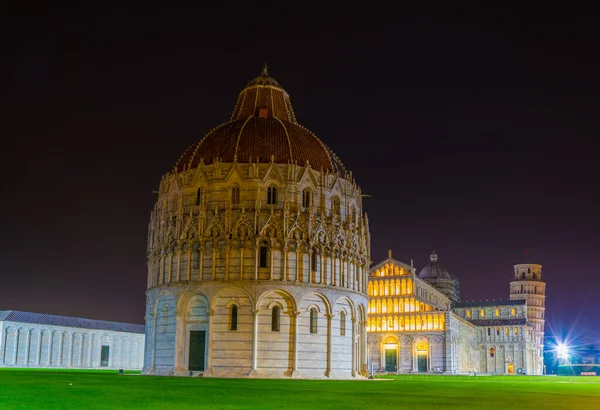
x: 363, y: 347
x: 285, y: 264
x: 16, y: 347
x: 329, y: 319
x: 50, y: 348
x: 90, y: 338
x: 201, y: 262
x: 38, y: 356
x: 4, y: 340
x: 354, y: 347
x: 254, y: 340
x: 413, y: 355
x: 189, y: 264
x: 60, y: 348
x: 272, y: 260
x: 215, y: 249
x: 160, y: 276
x: 322, y: 270
x: 256, y: 256
x: 81, y: 351
x: 70, y: 361
x: 180, y: 338
x: 227, y: 255
x: 242, y: 247
x: 296, y: 315
x: 382, y: 362
x: 310, y: 263
x: 332, y: 268
x: 152, y: 336
x: 365, y: 279
x: 170, y: 268
x: 27, y: 346
x: 178, y: 264
x: 211, y: 326
x: 297, y: 265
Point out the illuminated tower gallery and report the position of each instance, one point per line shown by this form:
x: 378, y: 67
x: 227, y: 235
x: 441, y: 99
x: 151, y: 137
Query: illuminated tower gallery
x: 258, y: 252
x: 528, y: 286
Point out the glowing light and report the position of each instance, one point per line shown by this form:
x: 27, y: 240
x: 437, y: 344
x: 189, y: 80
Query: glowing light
x: 562, y: 351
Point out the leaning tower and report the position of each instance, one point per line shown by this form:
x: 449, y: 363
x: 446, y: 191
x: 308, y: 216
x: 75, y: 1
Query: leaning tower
x: 528, y: 285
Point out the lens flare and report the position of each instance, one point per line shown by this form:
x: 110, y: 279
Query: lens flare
x: 562, y: 351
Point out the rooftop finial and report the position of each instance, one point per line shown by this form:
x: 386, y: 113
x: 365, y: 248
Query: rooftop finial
x: 433, y: 257
x: 389, y: 253
x: 264, y: 70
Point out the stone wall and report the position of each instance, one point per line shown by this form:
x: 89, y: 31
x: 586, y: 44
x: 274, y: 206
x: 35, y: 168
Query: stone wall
x: 31, y: 345
x: 330, y: 347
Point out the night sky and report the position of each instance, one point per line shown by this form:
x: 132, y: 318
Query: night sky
x: 474, y: 137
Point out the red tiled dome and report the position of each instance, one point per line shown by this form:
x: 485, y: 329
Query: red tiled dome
x: 263, y: 126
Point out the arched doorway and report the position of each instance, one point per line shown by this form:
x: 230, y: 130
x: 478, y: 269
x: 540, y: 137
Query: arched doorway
x: 422, y: 357
x: 195, y: 333
x: 390, y: 351
x: 510, y: 366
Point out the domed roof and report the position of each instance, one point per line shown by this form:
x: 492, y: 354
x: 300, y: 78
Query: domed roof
x: 262, y: 128
x: 434, y: 270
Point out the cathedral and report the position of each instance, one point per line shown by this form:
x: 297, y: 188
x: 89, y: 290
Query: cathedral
x: 416, y: 322
x: 258, y: 266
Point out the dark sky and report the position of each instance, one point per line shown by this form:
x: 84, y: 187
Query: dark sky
x: 476, y: 137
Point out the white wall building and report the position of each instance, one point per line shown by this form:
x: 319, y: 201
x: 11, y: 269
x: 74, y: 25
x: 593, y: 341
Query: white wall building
x: 40, y: 340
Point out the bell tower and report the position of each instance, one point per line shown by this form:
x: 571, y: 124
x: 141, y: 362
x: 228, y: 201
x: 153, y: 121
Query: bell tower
x: 528, y: 285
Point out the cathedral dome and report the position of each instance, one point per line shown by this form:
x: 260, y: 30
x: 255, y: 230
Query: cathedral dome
x: 434, y: 270
x: 262, y: 129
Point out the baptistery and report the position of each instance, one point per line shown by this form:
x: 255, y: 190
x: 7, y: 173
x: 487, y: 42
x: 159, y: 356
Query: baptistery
x: 258, y: 252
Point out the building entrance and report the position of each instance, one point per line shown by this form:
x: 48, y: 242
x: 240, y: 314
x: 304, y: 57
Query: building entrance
x: 197, y: 350
x: 104, y: 355
x: 422, y: 362
x: 390, y: 360
x: 422, y: 357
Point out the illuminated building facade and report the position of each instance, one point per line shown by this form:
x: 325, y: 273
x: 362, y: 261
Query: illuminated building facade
x: 49, y: 341
x: 416, y: 323
x: 258, y: 252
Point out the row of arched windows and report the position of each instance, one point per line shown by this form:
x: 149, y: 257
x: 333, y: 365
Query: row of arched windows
x: 398, y: 305
x: 391, y: 270
x: 535, y: 275
x: 506, y: 331
x: 426, y: 322
x: 235, y: 195
x: 391, y: 287
x: 272, y: 198
x: 184, y: 262
x: 488, y: 314
x: 531, y: 290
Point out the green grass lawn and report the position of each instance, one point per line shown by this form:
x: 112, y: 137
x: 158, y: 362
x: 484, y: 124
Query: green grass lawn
x: 63, y: 389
